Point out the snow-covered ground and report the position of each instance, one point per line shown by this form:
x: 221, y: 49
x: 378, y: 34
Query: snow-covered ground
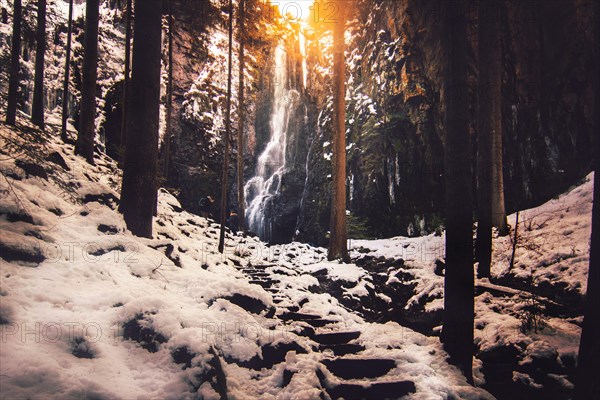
x: 529, y: 317
x: 89, y: 311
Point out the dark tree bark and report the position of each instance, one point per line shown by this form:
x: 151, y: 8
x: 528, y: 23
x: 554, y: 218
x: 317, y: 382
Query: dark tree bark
x: 15, y: 65
x: 225, y: 177
x: 241, y: 121
x: 85, y: 139
x: 65, y: 99
x: 493, y: 80
x: 167, y: 143
x: 138, y: 192
x: 587, y: 385
x: 338, y: 246
x: 37, y: 107
x: 457, y: 334
x: 128, y: 19
x: 489, y: 104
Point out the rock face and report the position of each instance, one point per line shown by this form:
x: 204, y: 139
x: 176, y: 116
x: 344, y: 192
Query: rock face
x: 395, y: 112
x: 395, y: 97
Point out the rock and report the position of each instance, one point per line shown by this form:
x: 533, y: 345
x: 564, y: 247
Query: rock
x: 250, y: 304
x: 183, y: 355
x: 108, y: 229
x: 32, y: 169
x: 58, y: 159
x: 106, y: 199
x: 147, y: 337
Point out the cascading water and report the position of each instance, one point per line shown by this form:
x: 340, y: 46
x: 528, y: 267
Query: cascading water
x: 271, y: 164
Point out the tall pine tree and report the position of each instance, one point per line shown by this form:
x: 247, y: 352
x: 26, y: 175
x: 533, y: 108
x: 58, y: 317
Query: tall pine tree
x: 15, y: 64
x: 167, y: 142
x: 138, y: 192
x: 225, y: 176
x: 85, y: 140
x: 241, y: 120
x: 587, y: 384
x: 65, y: 99
x: 37, y: 107
x: 457, y: 334
x: 493, y: 60
x: 338, y: 246
x: 489, y: 123
x: 128, y: 18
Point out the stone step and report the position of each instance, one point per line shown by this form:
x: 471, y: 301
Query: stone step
x: 376, y: 391
x: 296, y: 316
x: 359, y: 368
x: 265, y: 283
x: 258, y: 275
x: 321, y: 322
x: 335, y: 337
x: 254, y: 271
x: 342, y: 349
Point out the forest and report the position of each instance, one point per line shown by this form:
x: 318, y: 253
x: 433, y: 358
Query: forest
x: 299, y: 199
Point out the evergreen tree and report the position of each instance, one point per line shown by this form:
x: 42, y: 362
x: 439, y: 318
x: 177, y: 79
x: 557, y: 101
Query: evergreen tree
x: 225, y: 177
x: 493, y: 75
x: 457, y: 334
x: 128, y: 19
x: 65, y: 99
x: 85, y: 140
x: 338, y: 246
x: 138, y: 192
x: 241, y: 115
x: 167, y: 143
x: 15, y: 65
x: 489, y: 123
x: 37, y: 107
x: 587, y: 385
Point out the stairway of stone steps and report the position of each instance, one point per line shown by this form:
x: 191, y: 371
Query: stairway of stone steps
x: 344, y: 373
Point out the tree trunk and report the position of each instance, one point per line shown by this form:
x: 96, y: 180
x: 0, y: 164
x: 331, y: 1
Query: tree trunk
x: 65, y: 99
x: 138, y: 192
x: 587, y: 385
x: 85, y: 140
x: 493, y: 74
x: 241, y: 115
x: 15, y: 65
x: 225, y: 178
x: 457, y: 334
x: 126, y: 76
x: 338, y: 246
x: 489, y: 103
x: 37, y: 107
x: 167, y: 143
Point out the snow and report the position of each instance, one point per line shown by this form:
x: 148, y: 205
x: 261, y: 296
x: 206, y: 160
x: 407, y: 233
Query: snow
x: 92, y: 283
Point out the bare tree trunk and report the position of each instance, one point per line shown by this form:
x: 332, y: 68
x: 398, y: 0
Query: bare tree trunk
x: 15, y: 65
x: 457, y: 334
x: 65, y: 99
x: 37, y: 107
x: 167, y: 148
x: 225, y: 178
x: 488, y: 110
x: 587, y: 385
x: 126, y: 75
x: 338, y: 246
x: 85, y: 139
x: 241, y: 115
x: 138, y: 194
x: 493, y: 53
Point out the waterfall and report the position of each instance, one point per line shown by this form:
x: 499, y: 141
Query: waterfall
x: 271, y: 164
